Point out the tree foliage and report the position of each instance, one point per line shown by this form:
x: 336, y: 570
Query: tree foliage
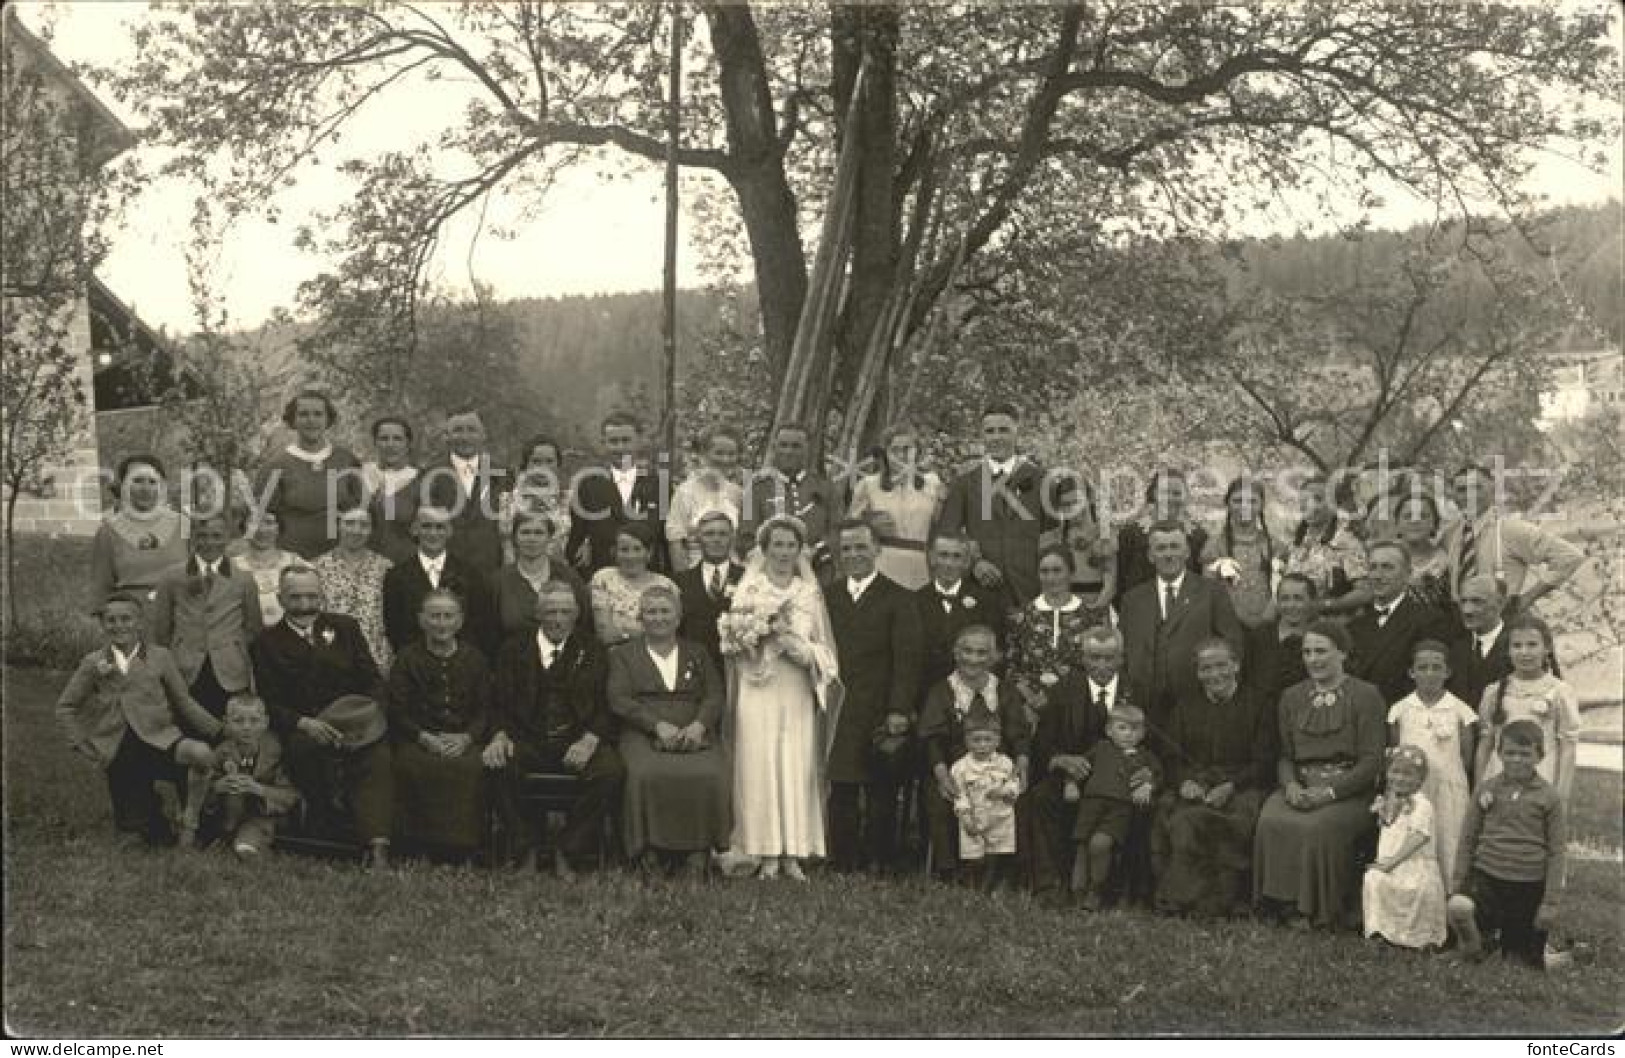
x: 1126, y: 117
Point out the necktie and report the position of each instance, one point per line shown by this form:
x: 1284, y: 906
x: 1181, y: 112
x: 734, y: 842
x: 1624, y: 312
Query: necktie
x: 1468, y: 559
x: 1101, y: 700
x: 208, y: 578
x: 947, y: 601
x: 716, y: 583
x: 1167, y: 601
x: 978, y: 704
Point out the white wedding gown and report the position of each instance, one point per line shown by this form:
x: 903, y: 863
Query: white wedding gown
x: 775, y: 708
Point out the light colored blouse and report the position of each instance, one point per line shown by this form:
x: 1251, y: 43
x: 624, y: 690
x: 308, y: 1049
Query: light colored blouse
x: 615, y: 603
x: 131, y: 550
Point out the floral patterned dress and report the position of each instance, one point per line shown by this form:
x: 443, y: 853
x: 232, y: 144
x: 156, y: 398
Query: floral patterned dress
x: 1335, y: 563
x: 1547, y: 701
x: 1046, y: 642
x: 615, y: 603
x: 355, y: 588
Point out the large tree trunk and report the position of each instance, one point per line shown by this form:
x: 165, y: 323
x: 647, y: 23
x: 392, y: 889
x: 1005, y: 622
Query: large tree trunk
x: 756, y: 174
x: 857, y: 31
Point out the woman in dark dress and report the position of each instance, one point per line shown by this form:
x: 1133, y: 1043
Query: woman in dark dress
x: 1220, y: 766
x: 309, y: 482
x: 1311, y: 831
x: 439, y: 704
x: 1275, y: 648
x: 516, y: 585
x: 678, y: 794
x: 391, y: 483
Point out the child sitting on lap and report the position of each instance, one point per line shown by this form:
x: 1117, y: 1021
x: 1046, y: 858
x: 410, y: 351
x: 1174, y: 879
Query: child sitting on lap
x: 1511, y: 853
x: 241, y: 783
x: 987, y: 785
x: 1122, y: 775
x: 1403, y: 889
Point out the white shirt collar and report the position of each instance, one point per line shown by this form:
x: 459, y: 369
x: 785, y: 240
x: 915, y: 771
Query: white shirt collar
x: 470, y: 465
x: 1484, y: 639
x: 1387, y: 608
x: 1177, y: 583
x: 321, y: 454
x: 1043, y: 605
x: 856, y: 588
x: 122, y: 660
x: 1110, y: 689
x: 710, y: 568
x: 624, y: 473
x: 952, y: 589
x: 548, y: 649
x: 666, y: 666
x: 432, y: 565
x: 964, y: 692
x: 1006, y: 466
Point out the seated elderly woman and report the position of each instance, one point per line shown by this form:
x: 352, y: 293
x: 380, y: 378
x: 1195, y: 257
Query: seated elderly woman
x: 439, y: 696
x: 1219, y: 752
x: 677, y: 802
x: 1311, y: 831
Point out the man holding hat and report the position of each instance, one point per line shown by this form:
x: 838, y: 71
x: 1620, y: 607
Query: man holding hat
x: 320, y: 684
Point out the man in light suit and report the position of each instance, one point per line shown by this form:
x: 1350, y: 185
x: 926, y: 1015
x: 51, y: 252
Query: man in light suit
x: 1385, y: 632
x: 604, y: 498
x: 207, y: 612
x: 469, y: 484
x: 1165, y: 618
x: 1525, y: 560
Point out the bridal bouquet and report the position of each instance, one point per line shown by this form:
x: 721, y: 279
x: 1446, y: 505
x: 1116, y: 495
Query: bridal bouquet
x: 748, y: 629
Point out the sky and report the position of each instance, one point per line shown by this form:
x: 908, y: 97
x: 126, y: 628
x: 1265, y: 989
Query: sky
x: 590, y: 235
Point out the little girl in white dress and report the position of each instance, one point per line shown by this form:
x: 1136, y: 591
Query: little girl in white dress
x: 1404, y: 897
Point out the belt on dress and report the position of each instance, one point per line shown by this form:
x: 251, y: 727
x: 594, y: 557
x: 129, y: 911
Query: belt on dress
x: 901, y: 543
x: 1323, y: 772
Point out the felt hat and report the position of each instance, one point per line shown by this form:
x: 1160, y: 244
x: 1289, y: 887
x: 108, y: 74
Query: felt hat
x: 358, y: 718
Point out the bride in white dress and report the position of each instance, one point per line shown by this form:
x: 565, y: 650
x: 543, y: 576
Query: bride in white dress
x: 783, y: 703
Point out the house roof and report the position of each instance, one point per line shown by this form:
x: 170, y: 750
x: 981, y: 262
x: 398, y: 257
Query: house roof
x: 110, y: 137
x: 134, y: 365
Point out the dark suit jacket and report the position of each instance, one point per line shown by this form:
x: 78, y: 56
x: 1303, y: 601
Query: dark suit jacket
x: 597, y: 514
x: 1008, y: 520
x: 476, y: 535
x: 971, y: 605
x: 878, y: 642
x: 1237, y: 742
x: 811, y: 497
x: 406, y: 584
x: 1161, y: 655
x: 701, y: 612
x: 1134, y: 557
x: 639, y: 699
x: 1470, y: 674
x: 1272, y: 665
x: 1382, y: 656
x: 524, y: 690
x: 299, y: 679
x: 1071, y: 722
x: 218, y: 627
x: 942, y: 729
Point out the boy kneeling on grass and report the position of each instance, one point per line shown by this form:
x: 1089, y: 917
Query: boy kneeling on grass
x: 1511, y: 855
x: 242, y: 790
x: 124, y: 708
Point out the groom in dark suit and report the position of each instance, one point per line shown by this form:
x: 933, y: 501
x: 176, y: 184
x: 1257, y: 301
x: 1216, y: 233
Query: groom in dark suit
x: 950, y: 603
x: 1164, y: 619
x: 604, y: 498
x: 877, y: 637
x: 1384, y: 632
x: 708, y: 588
x: 435, y: 565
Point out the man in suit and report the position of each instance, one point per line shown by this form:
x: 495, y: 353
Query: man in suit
x: 436, y: 566
x: 1164, y: 619
x: 207, y: 611
x: 1480, y: 658
x: 551, y: 716
x: 604, y: 498
x: 708, y: 588
x: 877, y: 638
x: 468, y: 484
x: 1009, y: 507
x: 303, y: 664
x: 950, y: 603
x: 1384, y: 632
x: 1524, y: 559
x: 1071, y: 721
x: 788, y: 487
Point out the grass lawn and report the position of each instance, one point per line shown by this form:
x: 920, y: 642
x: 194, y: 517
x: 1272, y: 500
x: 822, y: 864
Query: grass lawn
x: 137, y: 944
